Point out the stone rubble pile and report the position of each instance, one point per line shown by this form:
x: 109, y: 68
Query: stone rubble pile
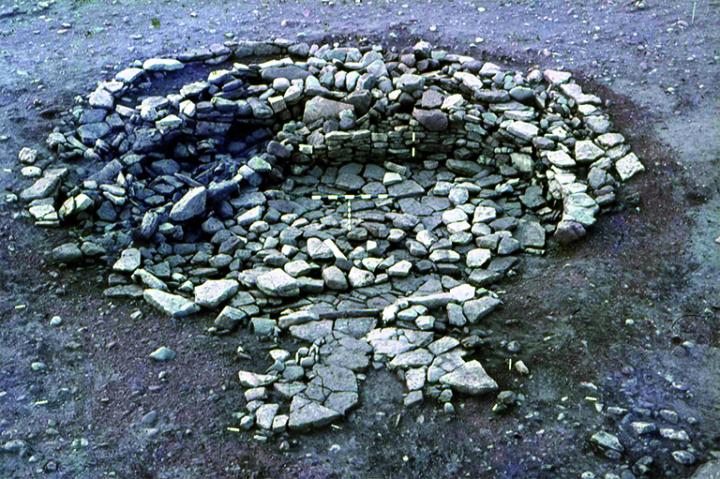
x: 201, y: 199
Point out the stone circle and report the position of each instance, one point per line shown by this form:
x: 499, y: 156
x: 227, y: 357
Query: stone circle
x: 201, y: 198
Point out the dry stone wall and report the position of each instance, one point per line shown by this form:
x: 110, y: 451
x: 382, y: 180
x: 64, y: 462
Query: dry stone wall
x: 202, y: 198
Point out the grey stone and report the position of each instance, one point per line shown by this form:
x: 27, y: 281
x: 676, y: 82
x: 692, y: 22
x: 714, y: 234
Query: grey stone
x: 170, y: 304
x: 580, y: 207
x: 470, y: 378
x: 318, y: 250
x: 129, y: 75
x: 709, y: 470
x: 67, y: 253
x: 556, y: 77
x: 477, y: 258
x: 605, y: 440
x: 523, y: 130
x: 628, y: 166
x: 410, y: 83
x: 162, y: 65
x: 568, y: 231
x: 318, y: 108
x: 311, y: 415
x: 298, y: 317
x: 265, y: 414
x: 312, y: 331
x: 360, y: 278
x: 249, y: 379
x: 229, y: 318
x: 586, y: 151
x: 477, y: 309
x: 560, y: 159
x: 45, y: 186
x: 334, y: 278
x: 163, y: 354
x: 191, y: 205
x: 278, y: 283
x: 128, y: 262
x: 213, y: 292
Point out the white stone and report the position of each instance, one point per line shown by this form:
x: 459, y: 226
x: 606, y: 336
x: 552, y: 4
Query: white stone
x: 628, y: 166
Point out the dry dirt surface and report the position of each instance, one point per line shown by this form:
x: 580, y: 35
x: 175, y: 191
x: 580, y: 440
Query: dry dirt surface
x: 626, y: 319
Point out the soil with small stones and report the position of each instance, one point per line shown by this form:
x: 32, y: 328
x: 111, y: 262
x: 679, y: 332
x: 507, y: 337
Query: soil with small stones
x: 655, y: 263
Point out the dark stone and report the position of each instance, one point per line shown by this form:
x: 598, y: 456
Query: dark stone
x: 492, y: 96
x: 291, y: 72
x: 279, y: 150
x: 433, y: 120
x: 361, y: 100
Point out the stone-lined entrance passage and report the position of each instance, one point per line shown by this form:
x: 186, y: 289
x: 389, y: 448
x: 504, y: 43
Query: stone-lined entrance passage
x: 199, y: 196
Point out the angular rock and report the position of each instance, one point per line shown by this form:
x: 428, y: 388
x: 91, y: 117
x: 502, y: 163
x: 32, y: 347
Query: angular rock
x: 628, y: 166
x: 523, y: 130
x: 586, y: 151
x: 128, y: 262
x: 278, y: 283
x: 163, y: 354
x: 470, y: 378
x: 477, y: 309
x: 213, y: 292
x: 191, y: 205
x: 311, y: 415
x: 173, y: 305
x: 249, y: 379
x: 432, y: 120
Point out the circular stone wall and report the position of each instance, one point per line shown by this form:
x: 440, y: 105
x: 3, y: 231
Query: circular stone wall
x: 355, y: 205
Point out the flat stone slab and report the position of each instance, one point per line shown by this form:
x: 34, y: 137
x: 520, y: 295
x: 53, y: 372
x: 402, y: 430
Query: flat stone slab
x: 470, y: 378
x: 212, y: 293
x: 311, y: 415
x: 171, y: 304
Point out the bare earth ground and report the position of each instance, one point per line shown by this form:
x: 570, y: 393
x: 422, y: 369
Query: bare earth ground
x: 655, y: 263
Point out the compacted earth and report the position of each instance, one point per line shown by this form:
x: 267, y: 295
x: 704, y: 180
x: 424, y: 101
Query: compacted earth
x: 605, y: 350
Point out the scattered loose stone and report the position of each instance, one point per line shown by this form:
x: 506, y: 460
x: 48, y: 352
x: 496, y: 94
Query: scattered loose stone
x: 163, y: 354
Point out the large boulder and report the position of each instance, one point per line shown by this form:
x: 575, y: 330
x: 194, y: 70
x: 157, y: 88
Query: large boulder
x: 278, y: 283
x: 709, y: 470
x: 432, y: 120
x: 319, y: 108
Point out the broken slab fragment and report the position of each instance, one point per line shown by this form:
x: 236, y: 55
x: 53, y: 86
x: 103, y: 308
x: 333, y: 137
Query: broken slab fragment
x: 45, y: 186
x: 128, y: 262
x: 477, y: 309
x: 306, y: 414
x: 249, y: 379
x: 278, y: 283
x: 470, y: 378
x: 162, y: 65
x: 173, y: 305
x: 628, y: 166
x: 213, y: 292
